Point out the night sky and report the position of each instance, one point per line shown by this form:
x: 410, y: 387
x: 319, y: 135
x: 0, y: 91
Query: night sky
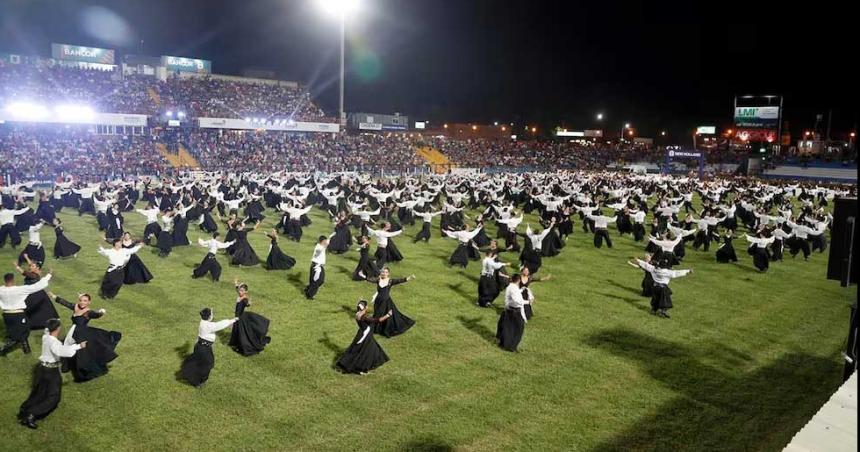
x: 672, y: 65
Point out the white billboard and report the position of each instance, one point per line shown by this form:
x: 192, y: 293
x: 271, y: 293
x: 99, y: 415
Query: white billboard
x: 231, y: 123
x: 706, y: 130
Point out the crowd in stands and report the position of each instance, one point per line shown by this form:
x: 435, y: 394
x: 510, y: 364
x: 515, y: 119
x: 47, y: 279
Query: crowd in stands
x: 45, y: 153
x: 108, y: 91
x: 216, y: 98
x: 103, y: 91
x: 273, y: 151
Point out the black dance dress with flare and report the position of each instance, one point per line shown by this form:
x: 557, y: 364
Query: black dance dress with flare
x: 63, y: 247
x: 243, y: 254
x: 389, y: 253
x: 398, y: 323
x: 90, y: 362
x: 366, y: 267
x: 197, y: 366
x: 726, y: 252
x: 364, y: 353
x: 510, y: 329
x: 277, y: 260
x: 342, y: 239
x: 180, y: 231
x: 39, y: 307
x: 488, y: 290
x: 250, y: 332
x: 135, y: 270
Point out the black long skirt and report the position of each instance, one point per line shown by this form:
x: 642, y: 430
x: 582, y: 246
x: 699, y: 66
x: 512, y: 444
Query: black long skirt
x: 510, y: 329
x: 112, y: 282
x: 531, y: 259
x: 165, y: 243
x: 250, y: 334
x: 151, y: 230
x: 366, y: 268
x: 397, y: 324
x: 92, y: 362
x: 208, y: 265
x: 136, y: 271
x: 63, y: 247
x: 39, y: 310
x: 36, y: 253
x: 277, y: 260
x: 389, y: 253
x: 488, y: 290
x: 209, y: 225
x: 244, y: 255
x: 45, y: 395
x: 661, y: 297
x: 726, y: 253
x: 362, y: 357
x: 647, y: 285
x: 341, y: 241
x: 761, y: 260
x: 197, y: 366
x: 180, y: 232
x: 460, y: 256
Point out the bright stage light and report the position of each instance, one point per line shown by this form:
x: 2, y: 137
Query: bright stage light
x: 27, y: 111
x: 247, y: 119
x: 180, y: 115
x: 339, y: 7
x: 169, y: 113
x: 74, y: 112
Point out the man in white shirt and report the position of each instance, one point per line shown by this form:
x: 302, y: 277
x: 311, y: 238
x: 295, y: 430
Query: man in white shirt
x: 317, y: 275
x: 7, y: 226
x: 47, y: 381
x: 197, y: 366
x: 512, y: 321
x: 210, y: 263
x: 13, y: 303
x: 601, y: 233
x: 115, y: 274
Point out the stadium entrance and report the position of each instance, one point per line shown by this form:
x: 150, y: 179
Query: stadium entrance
x: 674, y: 155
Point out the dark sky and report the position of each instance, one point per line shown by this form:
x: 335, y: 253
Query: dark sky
x: 659, y: 65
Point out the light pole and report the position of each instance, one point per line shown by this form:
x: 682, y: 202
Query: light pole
x: 626, y: 127
x: 340, y: 9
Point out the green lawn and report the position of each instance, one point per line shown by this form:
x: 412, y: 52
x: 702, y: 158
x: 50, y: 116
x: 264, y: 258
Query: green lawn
x: 745, y: 361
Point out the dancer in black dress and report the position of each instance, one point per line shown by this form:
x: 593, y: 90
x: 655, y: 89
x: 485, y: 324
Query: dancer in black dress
x: 398, y: 323
x: 250, y: 333
x: 726, y: 251
x: 165, y: 236
x: 115, y: 275
x: 277, y: 260
x: 647, y: 280
x: 512, y: 321
x: 34, y: 248
x: 761, y: 256
x: 92, y: 362
x: 136, y: 271
x: 316, y: 278
x: 243, y: 254
x: 661, y: 273
x: 466, y: 249
x: 342, y: 238
x: 386, y: 250
x: 366, y: 267
x: 63, y: 247
x: 488, y: 285
x: 47, y: 380
x: 39, y: 308
x: 197, y: 366
x: 364, y: 353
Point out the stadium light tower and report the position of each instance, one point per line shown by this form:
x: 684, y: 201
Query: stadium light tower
x: 340, y: 9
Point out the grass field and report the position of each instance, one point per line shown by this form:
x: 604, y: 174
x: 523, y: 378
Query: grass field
x: 745, y: 361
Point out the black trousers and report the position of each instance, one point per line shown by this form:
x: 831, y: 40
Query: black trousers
x: 599, y: 236
x: 315, y: 281
x: 208, y: 265
x: 17, y: 327
x: 424, y: 234
x: 8, y: 230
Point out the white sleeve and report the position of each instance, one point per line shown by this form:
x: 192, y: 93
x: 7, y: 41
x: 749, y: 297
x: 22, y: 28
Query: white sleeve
x: 63, y: 351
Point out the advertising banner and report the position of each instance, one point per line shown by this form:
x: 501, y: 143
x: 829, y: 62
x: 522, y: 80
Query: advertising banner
x: 370, y: 126
x: 756, y: 135
x: 594, y: 133
x: 241, y: 124
x: 757, y: 117
x: 706, y: 130
x: 181, y: 64
x: 67, y: 52
x: 101, y: 119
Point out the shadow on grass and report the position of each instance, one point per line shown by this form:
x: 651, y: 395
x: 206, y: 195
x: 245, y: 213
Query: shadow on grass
x: 343, y: 270
x: 296, y: 280
x: 458, y: 288
x: 642, y: 304
x: 183, y: 352
x: 474, y: 325
x: 329, y: 344
x: 623, y: 287
x: 427, y: 445
x: 717, y: 409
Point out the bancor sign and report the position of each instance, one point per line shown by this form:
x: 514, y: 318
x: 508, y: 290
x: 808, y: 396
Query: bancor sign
x: 69, y: 52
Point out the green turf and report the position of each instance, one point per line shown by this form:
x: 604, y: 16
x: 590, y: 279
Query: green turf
x: 745, y: 361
